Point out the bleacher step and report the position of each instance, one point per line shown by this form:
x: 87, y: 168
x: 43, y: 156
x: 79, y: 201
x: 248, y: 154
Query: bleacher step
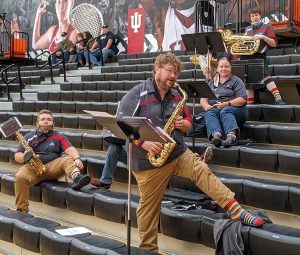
x: 43, y: 87
x: 5, y: 106
x: 27, y: 95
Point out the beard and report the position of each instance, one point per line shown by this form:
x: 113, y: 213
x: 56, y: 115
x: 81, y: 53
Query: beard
x: 45, y: 129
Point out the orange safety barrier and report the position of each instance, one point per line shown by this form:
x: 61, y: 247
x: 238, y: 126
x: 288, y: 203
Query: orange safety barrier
x: 19, y: 47
x: 293, y: 16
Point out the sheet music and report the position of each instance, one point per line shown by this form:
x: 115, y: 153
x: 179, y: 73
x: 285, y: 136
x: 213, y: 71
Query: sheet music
x: 141, y: 125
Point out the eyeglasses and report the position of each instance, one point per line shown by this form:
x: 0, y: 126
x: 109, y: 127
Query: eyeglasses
x: 171, y: 71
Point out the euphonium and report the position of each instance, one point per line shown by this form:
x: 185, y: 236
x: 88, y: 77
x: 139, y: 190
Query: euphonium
x: 240, y: 44
x: 159, y: 159
x: 35, y: 163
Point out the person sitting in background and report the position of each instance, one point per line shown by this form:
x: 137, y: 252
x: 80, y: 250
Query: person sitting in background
x: 49, y: 145
x: 87, y: 37
x: 64, y: 47
x: 105, y: 42
x: 267, y: 37
x: 225, y: 113
x: 80, y: 49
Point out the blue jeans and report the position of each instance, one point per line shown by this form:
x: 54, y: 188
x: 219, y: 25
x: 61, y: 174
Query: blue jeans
x: 54, y: 57
x: 95, y: 56
x: 224, y: 120
x: 114, y: 154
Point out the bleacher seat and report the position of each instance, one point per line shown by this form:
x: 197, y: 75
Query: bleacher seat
x: 117, y: 85
x: 28, y: 106
x: 95, y: 167
x: 52, y: 243
x: 110, y: 206
x: 295, y: 59
x: 279, y: 60
x: 259, y: 159
x: 42, y: 95
x: 267, y: 194
x: 258, y: 132
x: 79, y: 96
x: 55, y: 106
x: 92, y: 142
x: 93, y: 96
x: 26, y: 233
x: 89, y: 86
x: 77, y: 86
x: 294, y: 196
x: 80, y: 202
x: 278, y: 113
x: 27, y: 118
x: 284, y: 134
x: 54, y: 96
x: 87, y: 122
x: 112, y: 108
x: 254, y: 111
x: 70, y: 121
x: 288, y: 69
x: 288, y: 162
x: 75, y: 138
x: 82, y: 106
x: 108, y: 96
x: 54, y: 193
x: 41, y: 105
x: 273, y: 239
x: 68, y: 107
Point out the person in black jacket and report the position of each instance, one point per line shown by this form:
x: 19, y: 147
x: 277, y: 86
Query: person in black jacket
x: 105, y: 42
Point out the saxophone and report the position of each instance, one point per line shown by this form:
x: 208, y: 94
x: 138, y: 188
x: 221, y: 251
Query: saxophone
x: 35, y: 163
x: 159, y: 159
x: 240, y: 44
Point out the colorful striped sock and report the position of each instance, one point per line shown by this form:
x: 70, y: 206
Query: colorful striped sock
x: 276, y: 93
x: 250, y: 100
x: 238, y: 213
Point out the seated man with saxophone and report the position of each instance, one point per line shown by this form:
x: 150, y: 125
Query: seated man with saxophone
x: 43, y: 153
x: 267, y: 37
x: 154, y: 163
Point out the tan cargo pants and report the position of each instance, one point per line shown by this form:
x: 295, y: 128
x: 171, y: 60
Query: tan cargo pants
x: 152, y: 185
x: 25, y: 177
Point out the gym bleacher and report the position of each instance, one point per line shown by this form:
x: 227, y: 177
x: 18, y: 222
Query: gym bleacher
x: 264, y: 175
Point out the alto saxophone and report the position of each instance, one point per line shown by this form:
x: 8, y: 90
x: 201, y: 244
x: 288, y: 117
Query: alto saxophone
x: 35, y: 163
x: 160, y: 158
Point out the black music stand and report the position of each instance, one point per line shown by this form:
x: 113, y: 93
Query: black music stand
x: 196, y: 89
x: 130, y: 128
x: 202, y: 43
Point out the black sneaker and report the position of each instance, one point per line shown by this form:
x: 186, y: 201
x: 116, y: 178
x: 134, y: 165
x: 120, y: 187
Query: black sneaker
x: 80, y: 181
x: 279, y: 102
x: 216, y: 140
x: 230, y: 141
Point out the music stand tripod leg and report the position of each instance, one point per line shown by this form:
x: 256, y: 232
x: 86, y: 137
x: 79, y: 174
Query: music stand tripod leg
x: 129, y: 160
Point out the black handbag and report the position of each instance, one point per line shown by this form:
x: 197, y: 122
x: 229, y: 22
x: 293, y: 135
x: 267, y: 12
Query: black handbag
x: 200, y: 127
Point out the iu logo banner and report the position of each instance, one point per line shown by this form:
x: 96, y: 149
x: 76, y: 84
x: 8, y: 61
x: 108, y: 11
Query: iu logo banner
x: 136, y: 30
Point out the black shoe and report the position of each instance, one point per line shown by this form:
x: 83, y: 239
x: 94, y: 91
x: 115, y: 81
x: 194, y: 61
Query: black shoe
x: 80, y: 181
x: 230, y: 141
x: 96, y: 184
x: 216, y: 140
x: 279, y: 102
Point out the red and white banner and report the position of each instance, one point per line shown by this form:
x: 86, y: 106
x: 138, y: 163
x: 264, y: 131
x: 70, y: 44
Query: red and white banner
x: 136, y: 30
